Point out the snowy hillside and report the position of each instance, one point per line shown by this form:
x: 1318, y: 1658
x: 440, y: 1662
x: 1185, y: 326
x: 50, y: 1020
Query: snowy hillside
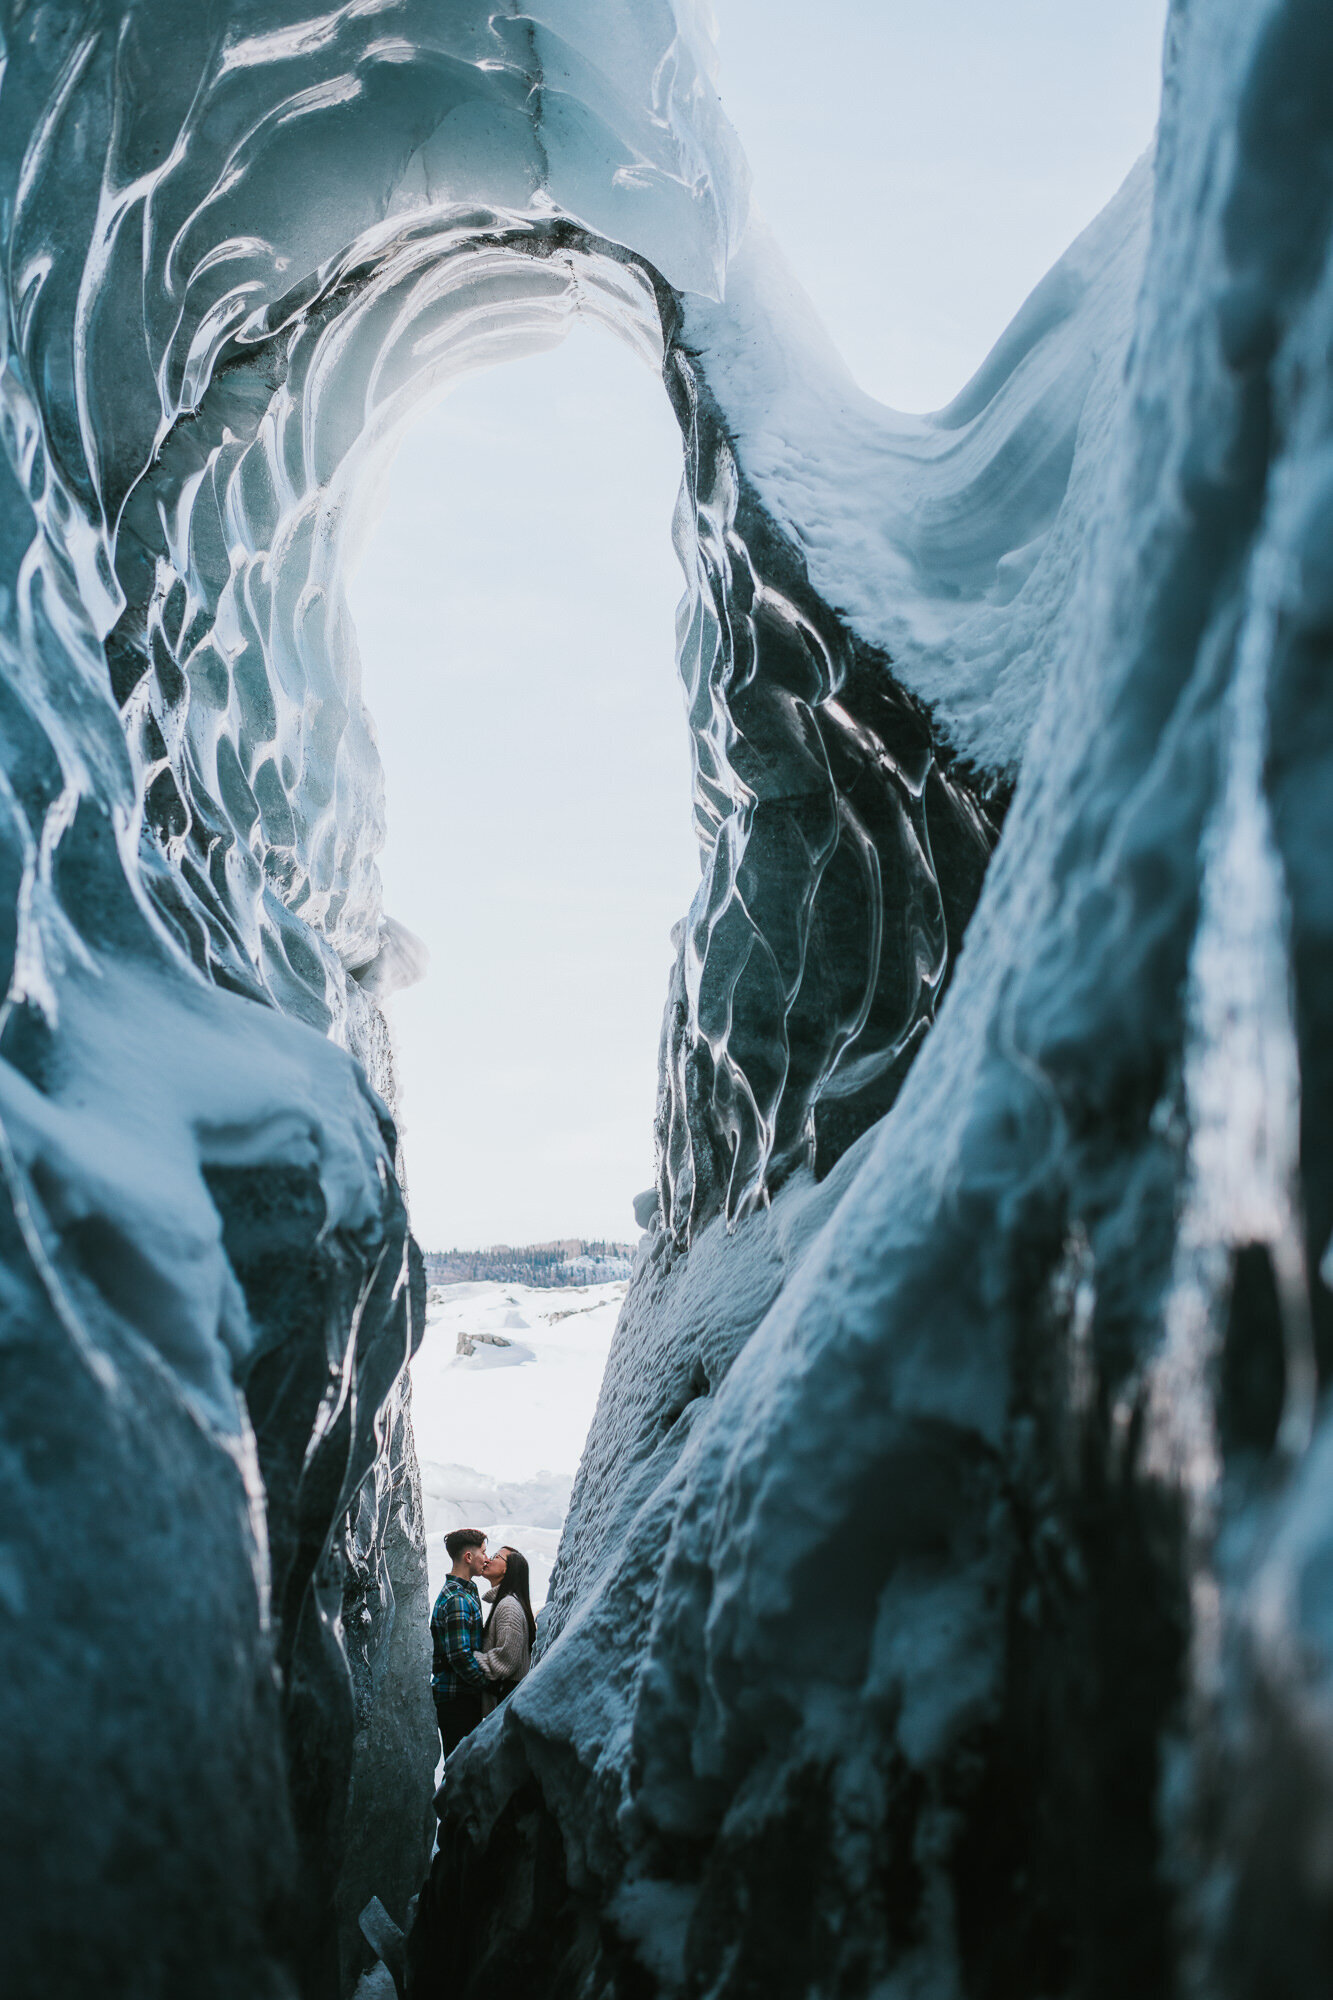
x: 500, y: 1428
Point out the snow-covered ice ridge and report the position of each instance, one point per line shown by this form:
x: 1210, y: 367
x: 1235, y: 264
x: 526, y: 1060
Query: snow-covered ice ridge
x: 285, y: 342
x: 1012, y: 1303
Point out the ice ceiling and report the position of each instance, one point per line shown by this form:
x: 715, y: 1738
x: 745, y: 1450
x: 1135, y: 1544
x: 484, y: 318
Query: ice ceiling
x: 284, y: 342
x: 1022, y: 1300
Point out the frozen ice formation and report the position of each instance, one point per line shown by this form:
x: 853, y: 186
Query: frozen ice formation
x: 944, y: 1606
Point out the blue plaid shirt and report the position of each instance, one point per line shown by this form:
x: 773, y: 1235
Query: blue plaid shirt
x: 455, y: 1630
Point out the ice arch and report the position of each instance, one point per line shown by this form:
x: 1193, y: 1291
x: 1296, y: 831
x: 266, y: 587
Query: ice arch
x: 1032, y: 1325
x: 234, y: 252
x: 821, y: 795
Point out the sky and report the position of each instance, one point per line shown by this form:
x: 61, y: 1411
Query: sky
x: 923, y: 165
x: 516, y: 615
x: 922, y: 168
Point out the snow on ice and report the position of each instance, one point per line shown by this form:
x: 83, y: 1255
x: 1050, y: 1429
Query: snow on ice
x: 995, y: 1184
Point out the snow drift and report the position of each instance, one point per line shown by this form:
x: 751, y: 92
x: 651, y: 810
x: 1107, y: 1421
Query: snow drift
x: 990, y: 1275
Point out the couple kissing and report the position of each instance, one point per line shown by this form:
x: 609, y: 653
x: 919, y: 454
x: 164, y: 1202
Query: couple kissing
x: 475, y: 1664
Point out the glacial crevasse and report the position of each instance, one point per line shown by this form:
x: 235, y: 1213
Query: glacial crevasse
x: 988, y: 1271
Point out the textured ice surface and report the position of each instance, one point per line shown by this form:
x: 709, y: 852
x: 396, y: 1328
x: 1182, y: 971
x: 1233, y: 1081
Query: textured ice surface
x: 1033, y: 1371
x: 1013, y: 1313
x: 511, y: 174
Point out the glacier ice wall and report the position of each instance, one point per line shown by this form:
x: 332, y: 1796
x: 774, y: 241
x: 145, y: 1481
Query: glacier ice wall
x: 944, y: 1606
x: 239, y: 246
x: 1013, y: 1315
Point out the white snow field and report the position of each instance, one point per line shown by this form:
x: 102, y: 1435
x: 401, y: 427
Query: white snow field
x: 500, y: 1430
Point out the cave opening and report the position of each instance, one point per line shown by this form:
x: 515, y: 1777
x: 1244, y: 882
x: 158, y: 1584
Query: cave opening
x: 515, y: 606
x: 515, y: 610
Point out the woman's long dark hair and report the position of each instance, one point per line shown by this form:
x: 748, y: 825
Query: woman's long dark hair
x: 514, y: 1583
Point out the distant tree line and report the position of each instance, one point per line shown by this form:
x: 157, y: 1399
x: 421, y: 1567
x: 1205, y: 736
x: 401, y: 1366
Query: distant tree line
x: 574, y: 1260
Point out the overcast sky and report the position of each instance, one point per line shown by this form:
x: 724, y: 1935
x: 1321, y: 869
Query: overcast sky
x: 922, y: 168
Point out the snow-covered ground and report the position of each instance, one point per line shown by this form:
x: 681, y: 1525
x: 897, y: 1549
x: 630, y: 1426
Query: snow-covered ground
x: 500, y: 1430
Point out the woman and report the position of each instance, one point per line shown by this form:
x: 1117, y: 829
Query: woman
x: 510, y: 1628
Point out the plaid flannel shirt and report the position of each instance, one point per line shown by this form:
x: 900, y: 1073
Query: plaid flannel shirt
x: 455, y: 1630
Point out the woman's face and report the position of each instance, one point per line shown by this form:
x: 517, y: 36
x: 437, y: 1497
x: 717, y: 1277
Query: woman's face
x: 495, y: 1567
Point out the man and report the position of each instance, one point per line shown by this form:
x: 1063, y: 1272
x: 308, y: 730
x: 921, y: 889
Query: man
x: 456, y: 1681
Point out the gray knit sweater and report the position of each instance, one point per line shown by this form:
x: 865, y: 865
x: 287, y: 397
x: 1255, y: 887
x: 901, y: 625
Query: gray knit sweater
x: 508, y: 1651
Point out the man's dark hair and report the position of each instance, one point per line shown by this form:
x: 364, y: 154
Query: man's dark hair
x: 463, y: 1538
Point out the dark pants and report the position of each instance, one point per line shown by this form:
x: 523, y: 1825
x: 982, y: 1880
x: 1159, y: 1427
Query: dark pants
x: 457, y: 1717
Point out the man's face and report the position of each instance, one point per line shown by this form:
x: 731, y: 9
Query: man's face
x: 475, y: 1560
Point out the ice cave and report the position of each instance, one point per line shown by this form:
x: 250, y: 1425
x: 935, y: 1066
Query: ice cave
x: 991, y: 1221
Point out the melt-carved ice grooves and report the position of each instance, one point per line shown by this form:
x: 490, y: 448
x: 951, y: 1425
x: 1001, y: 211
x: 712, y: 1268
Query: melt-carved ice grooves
x: 1011, y: 1318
